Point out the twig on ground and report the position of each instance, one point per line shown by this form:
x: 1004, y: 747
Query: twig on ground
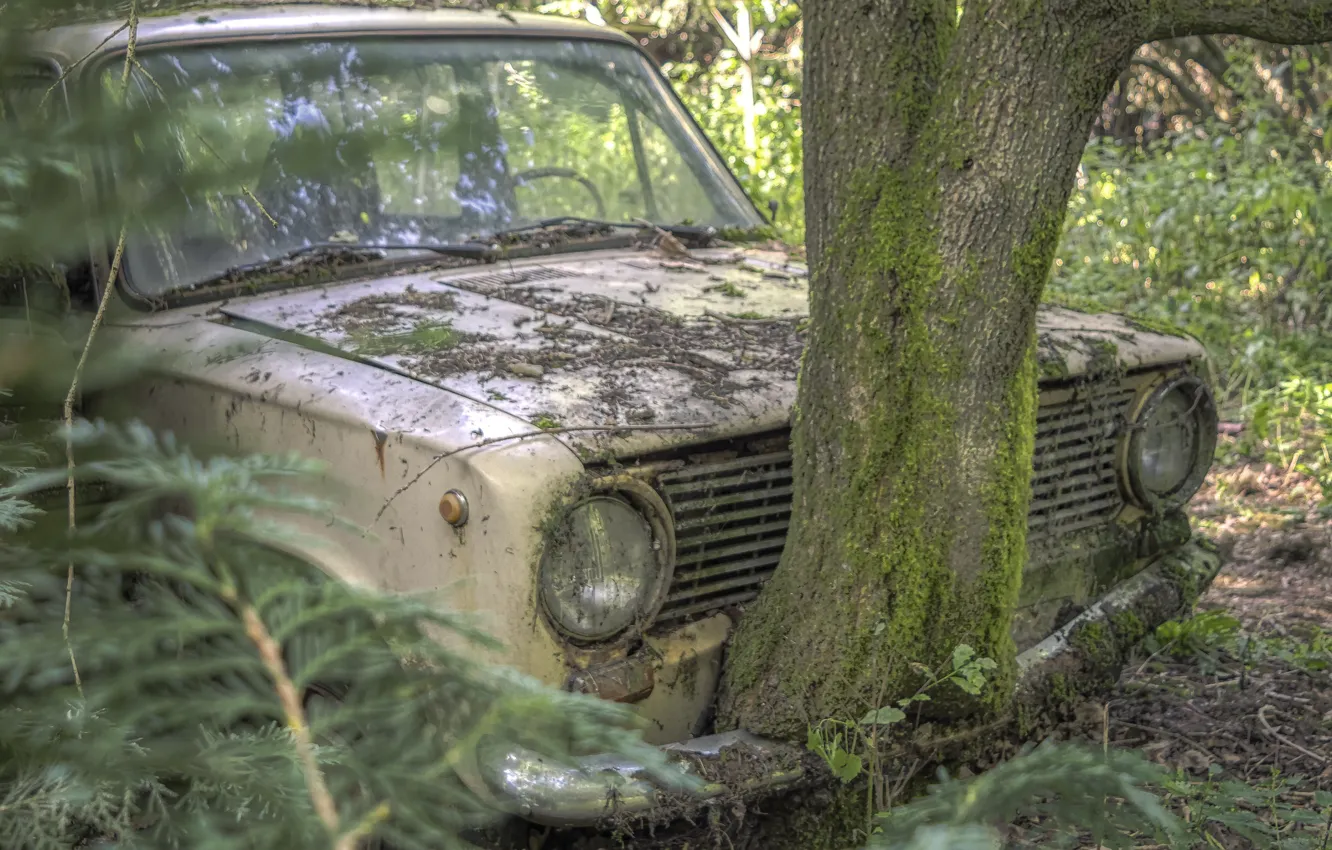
x: 722, y: 317
x: 691, y: 371
x: 1143, y: 666
x: 1152, y: 730
x: 1277, y: 736
x: 1301, y: 700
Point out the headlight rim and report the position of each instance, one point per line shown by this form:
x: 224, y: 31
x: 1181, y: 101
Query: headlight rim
x: 652, y: 508
x: 1204, y: 412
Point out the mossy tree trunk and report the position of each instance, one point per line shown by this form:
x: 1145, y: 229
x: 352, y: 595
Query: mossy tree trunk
x: 941, y: 147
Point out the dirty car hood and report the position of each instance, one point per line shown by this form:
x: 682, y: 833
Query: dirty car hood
x: 677, y: 348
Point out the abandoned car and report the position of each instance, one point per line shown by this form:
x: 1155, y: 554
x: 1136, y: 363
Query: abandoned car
x: 489, y: 270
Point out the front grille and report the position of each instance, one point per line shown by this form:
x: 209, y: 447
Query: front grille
x: 730, y: 526
x: 731, y: 515
x: 1073, y: 484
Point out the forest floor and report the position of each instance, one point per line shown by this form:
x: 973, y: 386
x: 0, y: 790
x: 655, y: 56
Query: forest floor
x: 1237, y: 700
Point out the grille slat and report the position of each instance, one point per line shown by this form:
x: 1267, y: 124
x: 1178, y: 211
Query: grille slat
x: 709, y: 504
x: 769, y: 560
x: 713, y: 469
x: 740, y: 531
x: 1082, y: 506
x: 713, y: 486
x: 706, y: 606
x: 707, y: 588
x: 1054, y: 484
x: 512, y: 277
x: 704, y: 555
x: 732, y: 514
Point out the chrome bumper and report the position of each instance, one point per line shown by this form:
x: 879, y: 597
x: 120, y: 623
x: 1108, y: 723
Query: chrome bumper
x: 602, y: 786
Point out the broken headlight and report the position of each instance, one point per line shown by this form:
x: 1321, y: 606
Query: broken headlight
x: 606, y: 565
x: 1171, y: 443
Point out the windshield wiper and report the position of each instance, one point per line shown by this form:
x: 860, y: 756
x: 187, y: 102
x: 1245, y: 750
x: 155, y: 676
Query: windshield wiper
x: 685, y: 231
x: 351, y: 252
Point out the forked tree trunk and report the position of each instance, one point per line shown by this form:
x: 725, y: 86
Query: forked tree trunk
x: 940, y: 157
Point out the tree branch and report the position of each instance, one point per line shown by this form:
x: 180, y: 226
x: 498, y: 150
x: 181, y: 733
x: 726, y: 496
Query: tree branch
x: 1218, y: 62
x: 1277, y: 21
x: 1195, y: 100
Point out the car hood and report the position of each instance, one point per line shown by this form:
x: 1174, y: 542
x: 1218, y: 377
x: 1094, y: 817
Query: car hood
x: 675, y: 349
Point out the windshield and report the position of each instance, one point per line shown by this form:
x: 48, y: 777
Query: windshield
x: 400, y: 141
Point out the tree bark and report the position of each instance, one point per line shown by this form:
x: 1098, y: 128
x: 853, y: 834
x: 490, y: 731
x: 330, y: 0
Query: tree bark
x: 940, y: 156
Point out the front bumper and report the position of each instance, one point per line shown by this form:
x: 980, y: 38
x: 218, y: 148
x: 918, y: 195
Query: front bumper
x: 731, y: 763
x: 741, y: 764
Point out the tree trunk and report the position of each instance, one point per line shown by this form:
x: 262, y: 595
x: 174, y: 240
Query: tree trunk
x: 940, y: 156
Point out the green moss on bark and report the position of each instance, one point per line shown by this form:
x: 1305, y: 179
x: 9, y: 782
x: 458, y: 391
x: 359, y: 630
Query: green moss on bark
x: 900, y: 549
x: 893, y: 538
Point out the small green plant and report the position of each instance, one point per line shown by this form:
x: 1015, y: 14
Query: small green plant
x: 838, y: 742
x: 729, y: 289
x: 1209, y: 635
x: 1201, y: 637
x: 1275, y: 813
x: 546, y: 422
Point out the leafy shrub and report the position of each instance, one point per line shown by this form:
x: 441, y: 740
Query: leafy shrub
x: 1227, y: 233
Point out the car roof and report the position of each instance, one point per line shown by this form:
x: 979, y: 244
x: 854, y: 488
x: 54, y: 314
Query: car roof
x: 258, y: 19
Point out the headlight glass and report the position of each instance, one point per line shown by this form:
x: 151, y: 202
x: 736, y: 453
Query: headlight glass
x: 1173, y: 443
x: 1168, y: 445
x: 600, y: 571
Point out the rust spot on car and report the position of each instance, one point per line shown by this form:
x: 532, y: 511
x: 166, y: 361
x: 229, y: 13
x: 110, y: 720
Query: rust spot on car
x: 380, y: 439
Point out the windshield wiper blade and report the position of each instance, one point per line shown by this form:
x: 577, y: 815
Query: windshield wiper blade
x: 683, y: 230
x: 354, y: 252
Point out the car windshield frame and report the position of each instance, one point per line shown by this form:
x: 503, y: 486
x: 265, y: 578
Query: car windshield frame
x: 692, y: 142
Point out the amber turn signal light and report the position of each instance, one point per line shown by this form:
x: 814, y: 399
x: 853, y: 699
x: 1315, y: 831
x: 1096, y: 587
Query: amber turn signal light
x: 453, y: 507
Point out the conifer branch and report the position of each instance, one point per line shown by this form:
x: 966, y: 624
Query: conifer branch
x: 377, y: 815
x: 271, y: 654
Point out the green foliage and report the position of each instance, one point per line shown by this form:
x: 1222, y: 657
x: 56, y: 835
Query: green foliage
x: 1061, y: 795
x: 1069, y: 788
x: 1200, y: 636
x: 1224, y: 232
x: 1262, y: 813
x: 1209, y: 635
x: 773, y: 171
x: 844, y: 744
x: 709, y: 70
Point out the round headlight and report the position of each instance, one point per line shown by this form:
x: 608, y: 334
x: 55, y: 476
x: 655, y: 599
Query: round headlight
x: 1171, y: 443
x: 604, y: 568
